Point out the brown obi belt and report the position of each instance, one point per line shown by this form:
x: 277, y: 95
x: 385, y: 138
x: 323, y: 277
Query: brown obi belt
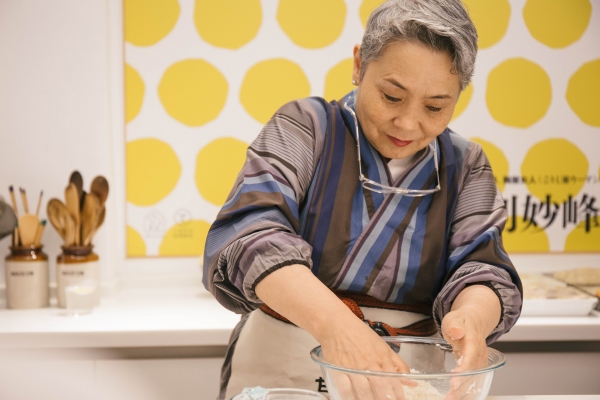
x: 354, y: 301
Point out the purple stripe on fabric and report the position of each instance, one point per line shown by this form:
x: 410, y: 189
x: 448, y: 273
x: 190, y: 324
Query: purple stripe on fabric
x: 415, y: 250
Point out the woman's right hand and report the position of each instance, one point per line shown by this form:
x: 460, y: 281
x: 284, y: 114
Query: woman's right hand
x: 353, y: 344
x: 294, y: 292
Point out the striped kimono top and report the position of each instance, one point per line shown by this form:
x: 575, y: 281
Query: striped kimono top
x: 298, y: 200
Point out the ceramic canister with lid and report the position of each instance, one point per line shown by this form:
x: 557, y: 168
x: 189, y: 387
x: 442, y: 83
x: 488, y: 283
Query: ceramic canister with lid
x: 75, y: 266
x: 26, y: 273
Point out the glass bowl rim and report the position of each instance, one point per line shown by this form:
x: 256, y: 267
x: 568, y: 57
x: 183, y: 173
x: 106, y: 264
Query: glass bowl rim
x: 492, y: 353
x: 288, y: 391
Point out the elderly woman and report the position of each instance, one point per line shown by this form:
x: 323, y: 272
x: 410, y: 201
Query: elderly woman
x: 366, y: 216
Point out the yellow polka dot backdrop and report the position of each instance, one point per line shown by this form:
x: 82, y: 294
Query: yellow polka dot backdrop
x: 202, y: 77
x: 134, y: 90
x: 185, y: 239
x: 491, y: 18
x: 153, y: 170
x: 583, y: 93
x: 136, y: 247
x: 526, y: 239
x: 217, y: 166
x: 193, y: 91
x: 557, y: 23
x: 270, y: 84
x: 518, y: 93
x: 312, y: 24
x: 338, y: 80
x: 228, y: 23
x: 149, y: 21
x: 583, y: 238
x: 555, y: 168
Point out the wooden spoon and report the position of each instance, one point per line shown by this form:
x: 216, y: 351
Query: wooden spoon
x: 57, y: 214
x: 70, y: 232
x: 100, y: 189
x: 101, y: 216
x: 77, y: 179
x: 89, y: 217
x: 72, y: 203
x: 99, y: 223
x: 28, y: 225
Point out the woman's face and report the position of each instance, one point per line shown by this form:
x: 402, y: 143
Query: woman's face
x: 406, y: 97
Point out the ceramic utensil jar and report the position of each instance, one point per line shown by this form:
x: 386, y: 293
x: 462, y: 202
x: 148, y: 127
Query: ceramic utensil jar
x: 77, y: 266
x: 26, y: 270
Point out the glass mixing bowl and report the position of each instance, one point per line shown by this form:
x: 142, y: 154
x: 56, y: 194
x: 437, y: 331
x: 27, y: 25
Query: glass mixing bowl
x: 259, y: 393
x: 431, y: 361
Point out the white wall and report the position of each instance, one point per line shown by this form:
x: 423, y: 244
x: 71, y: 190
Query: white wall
x: 54, y: 104
x: 61, y: 109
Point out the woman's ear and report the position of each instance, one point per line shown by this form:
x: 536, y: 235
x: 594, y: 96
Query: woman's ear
x: 356, y: 65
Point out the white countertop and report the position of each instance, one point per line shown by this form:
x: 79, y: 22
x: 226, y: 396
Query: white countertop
x: 190, y: 316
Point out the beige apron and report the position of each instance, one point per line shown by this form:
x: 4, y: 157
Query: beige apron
x: 272, y: 353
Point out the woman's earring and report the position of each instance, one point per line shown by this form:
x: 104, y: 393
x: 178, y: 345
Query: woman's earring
x: 353, y: 82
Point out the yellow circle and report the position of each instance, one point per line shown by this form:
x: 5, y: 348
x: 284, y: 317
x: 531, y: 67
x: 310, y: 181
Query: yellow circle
x: 312, y: 24
x: 338, y: 81
x: 185, y: 239
x: 134, y: 93
x: 518, y: 92
x: 153, y: 170
x: 557, y: 23
x: 583, y: 92
x: 581, y: 241
x: 135, y: 243
x: 148, y: 21
x: 554, y: 167
x: 491, y: 18
x: 270, y: 84
x: 217, y: 166
x: 525, y: 239
x: 228, y: 23
x: 193, y: 92
x: 498, y: 161
x: 366, y: 8
x: 463, y: 101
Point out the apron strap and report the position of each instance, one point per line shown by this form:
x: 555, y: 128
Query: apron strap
x: 354, y: 301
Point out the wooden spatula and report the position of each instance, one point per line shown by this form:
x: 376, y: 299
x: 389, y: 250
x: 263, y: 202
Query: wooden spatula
x: 28, y: 224
x: 72, y: 203
x: 89, y: 217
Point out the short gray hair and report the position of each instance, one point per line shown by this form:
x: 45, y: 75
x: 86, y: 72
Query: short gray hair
x: 443, y: 25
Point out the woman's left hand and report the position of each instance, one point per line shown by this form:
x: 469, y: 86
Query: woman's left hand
x: 474, y: 315
x: 467, y: 338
